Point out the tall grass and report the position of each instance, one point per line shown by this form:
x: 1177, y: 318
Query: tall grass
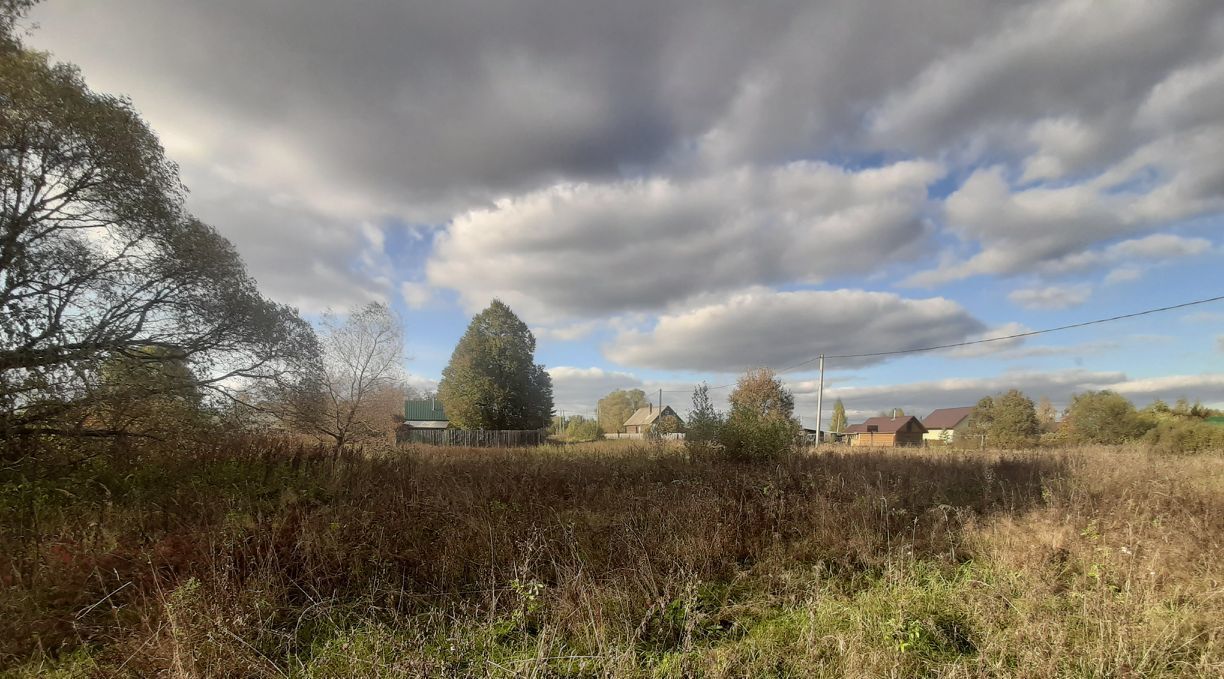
x: 257, y: 558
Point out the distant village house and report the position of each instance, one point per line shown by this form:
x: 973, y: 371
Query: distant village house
x: 880, y: 432
x: 641, y: 421
x: 945, y: 424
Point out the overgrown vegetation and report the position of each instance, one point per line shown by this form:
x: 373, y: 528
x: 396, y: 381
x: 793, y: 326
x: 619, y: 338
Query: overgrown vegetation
x: 257, y: 558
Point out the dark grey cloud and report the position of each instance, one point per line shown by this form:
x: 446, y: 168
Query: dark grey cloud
x: 305, y: 127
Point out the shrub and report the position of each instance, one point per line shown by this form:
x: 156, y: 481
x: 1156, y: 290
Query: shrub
x: 1104, y: 417
x: 582, y: 429
x: 762, y: 423
x: 1180, y: 437
x: 745, y: 438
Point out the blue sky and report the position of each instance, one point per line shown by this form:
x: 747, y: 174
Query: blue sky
x: 671, y: 193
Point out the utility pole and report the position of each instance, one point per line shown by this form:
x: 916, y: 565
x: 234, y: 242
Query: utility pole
x: 820, y: 402
x: 660, y: 399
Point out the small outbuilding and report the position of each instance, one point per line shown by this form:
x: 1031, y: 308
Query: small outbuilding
x: 424, y: 413
x: 887, y: 432
x: 641, y: 420
x: 944, y: 424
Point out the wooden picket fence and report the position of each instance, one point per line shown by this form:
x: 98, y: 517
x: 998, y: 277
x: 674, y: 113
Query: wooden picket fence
x: 473, y: 438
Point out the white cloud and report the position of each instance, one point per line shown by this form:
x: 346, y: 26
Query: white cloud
x: 590, y: 249
x: 1063, y: 145
x: 1123, y: 274
x: 1207, y: 387
x: 1052, y: 297
x: 782, y: 328
x: 1209, y: 317
x: 1052, y: 230
x: 578, y: 390
x: 421, y: 383
x: 416, y: 295
x: 567, y: 333
x: 993, y: 348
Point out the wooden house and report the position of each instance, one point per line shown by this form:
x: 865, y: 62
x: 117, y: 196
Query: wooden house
x: 641, y: 420
x: 944, y: 424
x: 882, y: 432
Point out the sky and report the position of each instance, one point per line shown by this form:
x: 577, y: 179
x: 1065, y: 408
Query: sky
x: 674, y: 192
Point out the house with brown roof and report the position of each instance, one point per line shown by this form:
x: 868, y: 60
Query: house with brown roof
x: 944, y: 424
x: 641, y: 420
x: 887, y: 432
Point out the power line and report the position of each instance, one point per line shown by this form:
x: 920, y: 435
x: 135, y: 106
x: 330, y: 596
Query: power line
x: 966, y: 343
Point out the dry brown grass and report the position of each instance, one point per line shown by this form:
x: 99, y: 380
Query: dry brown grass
x: 256, y: 559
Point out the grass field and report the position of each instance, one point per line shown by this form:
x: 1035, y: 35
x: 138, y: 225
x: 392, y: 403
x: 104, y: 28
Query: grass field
x: 253, y: 558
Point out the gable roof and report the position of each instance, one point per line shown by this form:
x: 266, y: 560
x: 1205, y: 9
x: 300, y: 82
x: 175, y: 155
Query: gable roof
x: 947, y: 418
x: 423, y: 410
x: 884, y: 425
x: 648, y: 415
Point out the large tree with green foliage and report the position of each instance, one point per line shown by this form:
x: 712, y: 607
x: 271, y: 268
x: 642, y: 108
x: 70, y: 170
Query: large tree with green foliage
x: 99, y: 262
x: 613, y: 409
x: 492, y: 380
x: 1006, y: 421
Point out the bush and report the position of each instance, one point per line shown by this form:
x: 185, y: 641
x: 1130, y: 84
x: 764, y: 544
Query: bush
x: 762, y: 425
x: 750, y: 439
x: 582, y: 429
x: 1183, y: 437
x: 1104, y: 417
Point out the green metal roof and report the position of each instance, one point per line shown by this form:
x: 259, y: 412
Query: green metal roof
x: 1217, y: 420
x: 429, y: 409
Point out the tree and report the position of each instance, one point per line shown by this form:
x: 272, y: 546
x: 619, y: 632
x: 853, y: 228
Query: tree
x: 99, y: 262
x: 667, y: 424
x: 977, y: 429
x: 357, y: 388
x: 1006, y: 421
x: 615, y: 408
x: 492, y: 380
x: 1104, y: 417
x: 704, y: 421
x: 761, y: 424
x: 838, y: 423
x: 576, y: 428
x: 759, y: 394
x: 1015, y: 422
x: 152, y: 393
x: 1047, y: 416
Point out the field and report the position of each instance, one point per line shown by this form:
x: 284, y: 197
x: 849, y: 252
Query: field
x: 256, y: 558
